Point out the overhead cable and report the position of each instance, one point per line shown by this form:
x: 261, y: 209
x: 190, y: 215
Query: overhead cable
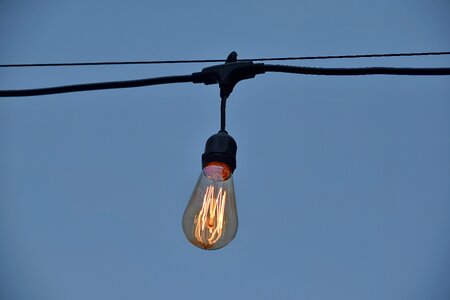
x: 227, y: 76
x: 153, y: 62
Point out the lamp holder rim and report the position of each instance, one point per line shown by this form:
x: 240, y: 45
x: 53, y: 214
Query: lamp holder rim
x: 220, y: 147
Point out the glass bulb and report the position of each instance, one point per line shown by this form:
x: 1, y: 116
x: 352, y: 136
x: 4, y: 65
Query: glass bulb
x: 210, y: 219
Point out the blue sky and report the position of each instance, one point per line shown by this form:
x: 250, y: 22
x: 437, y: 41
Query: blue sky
x: 342, y: 184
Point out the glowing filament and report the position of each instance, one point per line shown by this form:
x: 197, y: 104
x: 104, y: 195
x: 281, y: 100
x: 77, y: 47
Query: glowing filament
x: 209, y: 222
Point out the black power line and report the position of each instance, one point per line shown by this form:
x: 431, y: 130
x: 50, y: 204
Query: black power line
x: 357, y: 71
x: 353, y: 56
x: 97, y: 86
x: 227, y: 76
x: 147, y: 62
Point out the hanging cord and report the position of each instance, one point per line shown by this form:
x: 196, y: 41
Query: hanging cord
x: 223, y: 104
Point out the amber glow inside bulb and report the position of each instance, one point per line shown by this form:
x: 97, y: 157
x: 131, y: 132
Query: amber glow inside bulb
x: 210, y: 219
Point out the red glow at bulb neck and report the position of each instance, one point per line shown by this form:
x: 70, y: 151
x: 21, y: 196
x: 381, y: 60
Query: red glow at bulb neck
x: 217, y: 171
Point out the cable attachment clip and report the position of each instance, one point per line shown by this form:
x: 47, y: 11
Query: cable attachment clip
x: 227, y: 75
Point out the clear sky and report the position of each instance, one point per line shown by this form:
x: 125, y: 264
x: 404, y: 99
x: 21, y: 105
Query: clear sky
x: 342, y: 184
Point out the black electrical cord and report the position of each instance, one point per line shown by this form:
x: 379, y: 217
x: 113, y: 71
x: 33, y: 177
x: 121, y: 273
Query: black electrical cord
x: 98, y: 86
x: 223, y: 104
x: 351, y: 56
x: 226, y: 75
x: 142, y: 62
x: 356, y: 71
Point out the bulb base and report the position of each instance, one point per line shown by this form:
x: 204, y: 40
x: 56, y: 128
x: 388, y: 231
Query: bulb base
x: 220, y: 147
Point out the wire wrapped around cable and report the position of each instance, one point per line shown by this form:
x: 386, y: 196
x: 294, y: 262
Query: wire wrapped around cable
x: 246, y: 72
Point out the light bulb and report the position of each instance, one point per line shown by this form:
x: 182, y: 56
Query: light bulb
x: 210, y: 220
